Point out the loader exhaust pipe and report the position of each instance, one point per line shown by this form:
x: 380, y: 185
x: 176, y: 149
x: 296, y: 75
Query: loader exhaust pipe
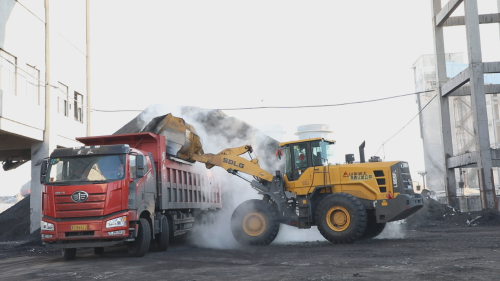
x: 362, y: 153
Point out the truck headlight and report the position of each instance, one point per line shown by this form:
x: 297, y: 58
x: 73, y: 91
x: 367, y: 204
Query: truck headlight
x: 47, y: 226
x: 121, y: 221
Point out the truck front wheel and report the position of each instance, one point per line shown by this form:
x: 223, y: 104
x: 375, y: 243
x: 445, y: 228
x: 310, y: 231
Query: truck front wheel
x: 341, y: 218
x: 255, y: 222
x: 140, y: 246
x: 69, y: 254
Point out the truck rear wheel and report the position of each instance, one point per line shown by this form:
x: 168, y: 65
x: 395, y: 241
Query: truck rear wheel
x: 69, y: 254
x: 341, y: 218
x: 255, y: 222
x: 161, y: 238
x: 140, y: 246
x: 373, y: 229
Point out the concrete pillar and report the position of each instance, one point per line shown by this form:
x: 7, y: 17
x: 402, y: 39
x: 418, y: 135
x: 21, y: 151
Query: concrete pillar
x: 478, y: 99
x: 43, y: 149
x: 441, y: 79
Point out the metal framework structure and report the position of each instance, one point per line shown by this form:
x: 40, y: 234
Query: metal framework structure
x: 484, y: 157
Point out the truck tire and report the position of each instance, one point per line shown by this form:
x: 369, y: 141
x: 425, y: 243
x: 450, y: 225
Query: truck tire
x: 255, y: 222
x: 211, y: 219
x: 161, y: 238
x: 69, y: 254
x: 99, y: 250
x: 140, y: 246
x: 373, y: 229
x: 341, y: 218
x: 202, y: 224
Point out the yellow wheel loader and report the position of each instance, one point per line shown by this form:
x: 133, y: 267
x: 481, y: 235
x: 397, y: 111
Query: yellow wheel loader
x: 346, y: 202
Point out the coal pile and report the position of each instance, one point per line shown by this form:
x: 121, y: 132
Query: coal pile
x: 435, y: 214
x: 15, y: 224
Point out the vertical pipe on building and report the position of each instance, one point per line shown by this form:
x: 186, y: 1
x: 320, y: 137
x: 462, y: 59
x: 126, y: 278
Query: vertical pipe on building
x: 88, y: 64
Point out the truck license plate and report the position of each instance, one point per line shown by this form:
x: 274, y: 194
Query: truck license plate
x: 79, y: 227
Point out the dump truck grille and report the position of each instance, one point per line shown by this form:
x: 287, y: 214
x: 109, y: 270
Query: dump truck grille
x: 67, y: 208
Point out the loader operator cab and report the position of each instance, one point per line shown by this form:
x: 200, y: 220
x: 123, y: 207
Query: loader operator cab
x: 303, y: 154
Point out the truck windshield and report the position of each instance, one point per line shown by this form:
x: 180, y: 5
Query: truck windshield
x: 95, y: 168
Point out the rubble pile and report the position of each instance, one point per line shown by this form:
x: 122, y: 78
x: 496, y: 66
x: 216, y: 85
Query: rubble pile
x: 15, y: 224
x: 435, y: 214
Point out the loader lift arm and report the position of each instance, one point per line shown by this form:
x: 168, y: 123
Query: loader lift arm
x: 229, y: 159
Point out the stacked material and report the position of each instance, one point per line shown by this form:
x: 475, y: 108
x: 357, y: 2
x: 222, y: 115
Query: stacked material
x: 435, y: 214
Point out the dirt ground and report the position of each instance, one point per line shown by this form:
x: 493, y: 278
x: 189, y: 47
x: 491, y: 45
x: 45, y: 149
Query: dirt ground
x: 437, y: 242
x: 454, y: 253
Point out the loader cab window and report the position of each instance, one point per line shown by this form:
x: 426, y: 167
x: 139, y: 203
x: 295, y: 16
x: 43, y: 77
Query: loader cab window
x: 322, y: 153
x: 288, y: 164
x: 301, y: 159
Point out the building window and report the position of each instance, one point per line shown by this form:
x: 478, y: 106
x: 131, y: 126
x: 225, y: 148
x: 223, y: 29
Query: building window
x: 8, y: 72
x: 33, y: 84
x: 62, y: 99
x: 78, y: 107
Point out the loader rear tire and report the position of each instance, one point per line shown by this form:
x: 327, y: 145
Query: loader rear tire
x: 255, y: 222
x: 341, y: 218
x: 140, y: 246
x: 373, y: 229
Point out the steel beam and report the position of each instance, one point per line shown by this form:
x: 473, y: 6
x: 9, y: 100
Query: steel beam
x: 456, y: 82
x: 469, y: 159
x: 478, y: 99
x: 446, y: 11
x: 491, y: 67
x: 483, y: 19
x: 465, y: 90
x: 441, y: 80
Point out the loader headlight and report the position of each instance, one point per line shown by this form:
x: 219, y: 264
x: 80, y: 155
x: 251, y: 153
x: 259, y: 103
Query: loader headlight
x: 121, y: 221
x: 47, y: 226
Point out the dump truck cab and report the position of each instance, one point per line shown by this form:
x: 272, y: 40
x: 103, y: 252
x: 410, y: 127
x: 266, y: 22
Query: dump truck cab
x: 95, y: 193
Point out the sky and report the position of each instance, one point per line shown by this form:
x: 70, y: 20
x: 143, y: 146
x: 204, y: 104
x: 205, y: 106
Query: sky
x: 233, y: 54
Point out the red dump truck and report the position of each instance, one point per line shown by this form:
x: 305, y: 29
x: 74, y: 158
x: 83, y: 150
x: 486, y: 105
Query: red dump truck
x: 122, y: 190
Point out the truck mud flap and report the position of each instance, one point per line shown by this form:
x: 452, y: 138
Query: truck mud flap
x: 399, y: 208
x: 82, y: 244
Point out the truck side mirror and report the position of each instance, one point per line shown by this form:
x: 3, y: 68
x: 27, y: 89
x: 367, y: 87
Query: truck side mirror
x: 43, y: 170
x: 140, y: 166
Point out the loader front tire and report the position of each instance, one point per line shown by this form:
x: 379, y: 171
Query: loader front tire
x: 373, y: 229
x: 255, y: 222
x: 341, y: 218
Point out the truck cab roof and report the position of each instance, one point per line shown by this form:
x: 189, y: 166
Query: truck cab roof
x: 90, y: 150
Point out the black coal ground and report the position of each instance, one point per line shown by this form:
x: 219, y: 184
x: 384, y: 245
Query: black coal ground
x: 437, y: 244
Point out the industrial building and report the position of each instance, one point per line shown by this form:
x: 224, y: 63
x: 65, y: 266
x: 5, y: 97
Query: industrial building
x: 44, y: 83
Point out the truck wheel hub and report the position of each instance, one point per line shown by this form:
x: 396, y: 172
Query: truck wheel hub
x: 254, y: 224
x: 338, y: 218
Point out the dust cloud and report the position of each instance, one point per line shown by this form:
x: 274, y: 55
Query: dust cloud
x: 393, y: 230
